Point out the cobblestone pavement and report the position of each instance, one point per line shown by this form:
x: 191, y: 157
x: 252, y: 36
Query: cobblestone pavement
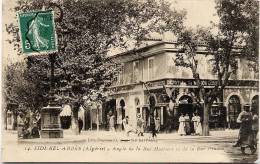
x: 165, y: 148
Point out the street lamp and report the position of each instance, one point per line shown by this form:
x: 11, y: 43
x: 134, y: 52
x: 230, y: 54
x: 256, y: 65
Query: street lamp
x: 50, y: 119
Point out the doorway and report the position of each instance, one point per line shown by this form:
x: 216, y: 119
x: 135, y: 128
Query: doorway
x: 234, y: 108
x: 255, y: 105
x: 185, y: 106
x: 122, y: 108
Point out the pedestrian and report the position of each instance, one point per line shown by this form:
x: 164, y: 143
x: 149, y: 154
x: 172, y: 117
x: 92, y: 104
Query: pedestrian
x: 193, y: 124
x: 35, y: 130
x: 181, y: 130
x: 157, y: 124
x: 140, y: 125
x: 26, y: 132
x: 20, y: 123
x: 169, y: 122
x: 255, y: 126
x: 112, y: 121
x: 107, y: 121
x: 80, y: 125
x: 198, y: 125
x: 128, y: 129
x: 152, y: 126
x: 246, y: 136
x: 38, y: 121
x: 187, y: 124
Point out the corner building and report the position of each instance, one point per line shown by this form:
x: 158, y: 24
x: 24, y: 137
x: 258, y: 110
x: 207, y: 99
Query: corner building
x: 149, y: 77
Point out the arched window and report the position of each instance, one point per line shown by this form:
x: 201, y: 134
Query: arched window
x: 122, y: 108
x: 137, y: 105
x: 234, y: 108
x: 254, y: 104
x: 185, y: 105
x: 185, y: 99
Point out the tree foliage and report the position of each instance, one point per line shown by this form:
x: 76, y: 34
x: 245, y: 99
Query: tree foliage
x: 236, y: 37
x: 88, y: 30
x: 20, y: 90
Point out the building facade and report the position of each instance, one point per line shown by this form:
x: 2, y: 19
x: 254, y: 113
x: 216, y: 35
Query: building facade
x: 149, y: 77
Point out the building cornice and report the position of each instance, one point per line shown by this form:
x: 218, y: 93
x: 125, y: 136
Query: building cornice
x: 149, y: 50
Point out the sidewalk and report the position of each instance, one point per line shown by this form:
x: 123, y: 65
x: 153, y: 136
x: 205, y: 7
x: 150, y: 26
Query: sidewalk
x: 215, y: 136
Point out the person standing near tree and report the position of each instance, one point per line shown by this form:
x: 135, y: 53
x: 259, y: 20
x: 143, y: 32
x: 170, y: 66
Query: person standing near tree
x: 198, y: 125
x: 181, y: 130
x: 193, y: 124
x: 157, y: 124
x: 80, y: 125
x: 152, y: 126
x: 187, y: 124
x: 20, y: 123
x: 112, y: 123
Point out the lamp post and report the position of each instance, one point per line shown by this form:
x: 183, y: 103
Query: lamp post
x: 50, y: 119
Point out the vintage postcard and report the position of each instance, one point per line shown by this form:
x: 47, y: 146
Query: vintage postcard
x: 130, y: 81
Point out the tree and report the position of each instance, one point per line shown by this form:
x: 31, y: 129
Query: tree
x: 86, y: 33
x: 237, y: 31
x: 20, y: 94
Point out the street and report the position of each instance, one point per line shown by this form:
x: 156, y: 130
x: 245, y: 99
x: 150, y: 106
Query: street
x: 117, y: 147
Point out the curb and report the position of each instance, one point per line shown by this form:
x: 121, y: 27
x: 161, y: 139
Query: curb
x: 50, y: 141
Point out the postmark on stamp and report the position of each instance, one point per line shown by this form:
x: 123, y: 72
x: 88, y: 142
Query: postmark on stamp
x: 37, y: 32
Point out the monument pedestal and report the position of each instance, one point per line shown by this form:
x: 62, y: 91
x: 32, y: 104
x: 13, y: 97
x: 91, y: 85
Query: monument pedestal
x: 50, y: 122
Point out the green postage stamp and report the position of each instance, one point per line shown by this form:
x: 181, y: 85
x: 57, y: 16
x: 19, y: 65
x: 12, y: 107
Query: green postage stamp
x: 37, y: 32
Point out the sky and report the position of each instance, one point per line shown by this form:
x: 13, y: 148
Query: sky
x: 199, y: 12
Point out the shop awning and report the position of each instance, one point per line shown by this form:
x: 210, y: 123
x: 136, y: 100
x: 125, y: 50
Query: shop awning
x: 66, y: 111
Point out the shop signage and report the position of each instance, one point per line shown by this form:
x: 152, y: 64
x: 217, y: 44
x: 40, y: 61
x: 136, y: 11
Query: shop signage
x: 185, y: 82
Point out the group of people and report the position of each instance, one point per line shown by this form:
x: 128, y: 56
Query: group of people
x: 28, y: 127
x: 138, y: 129
x: 248, y: 130
x: 154, y: 126
x: 189, y: 126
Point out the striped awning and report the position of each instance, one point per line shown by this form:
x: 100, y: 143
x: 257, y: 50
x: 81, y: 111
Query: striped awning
x: 66, y: 111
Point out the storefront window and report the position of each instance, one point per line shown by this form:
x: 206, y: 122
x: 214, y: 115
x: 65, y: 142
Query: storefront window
x: 255, y: 105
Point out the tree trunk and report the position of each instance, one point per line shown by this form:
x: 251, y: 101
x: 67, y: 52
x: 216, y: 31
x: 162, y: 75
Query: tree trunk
x: 205, y: 125
x: 74, y: 120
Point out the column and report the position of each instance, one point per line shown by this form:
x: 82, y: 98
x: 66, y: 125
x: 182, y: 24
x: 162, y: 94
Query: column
x: 161, y: 118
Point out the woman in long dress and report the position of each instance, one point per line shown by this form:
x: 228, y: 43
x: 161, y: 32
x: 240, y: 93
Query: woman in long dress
x: 187, y: 124
x: 181, y: 130
x: 198, y: 126
x: 112, y: 123
x: 193, y: 124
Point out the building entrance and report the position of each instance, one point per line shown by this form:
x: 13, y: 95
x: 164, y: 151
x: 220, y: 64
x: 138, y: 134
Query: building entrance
x: 185, y: 106
x: 255, y: 104
x: 122, y: 108
x: 234, y: 108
